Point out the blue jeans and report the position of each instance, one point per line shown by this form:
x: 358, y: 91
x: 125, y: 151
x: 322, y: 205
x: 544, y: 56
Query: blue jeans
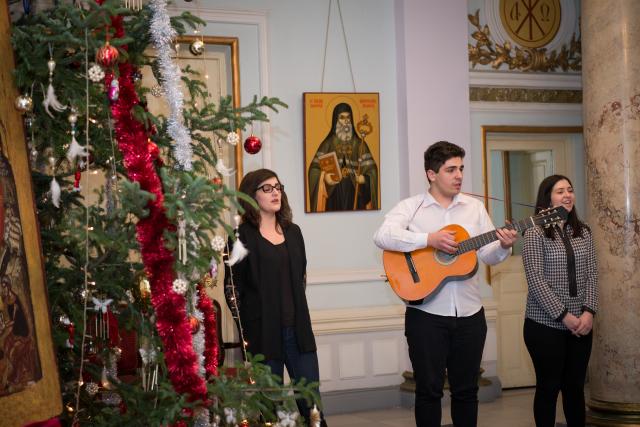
x: 299, y: 365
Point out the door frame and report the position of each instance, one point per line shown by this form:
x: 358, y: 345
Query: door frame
x: 501, y: 137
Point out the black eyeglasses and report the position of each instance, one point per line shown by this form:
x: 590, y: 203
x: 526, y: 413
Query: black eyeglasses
x: 268, y: 188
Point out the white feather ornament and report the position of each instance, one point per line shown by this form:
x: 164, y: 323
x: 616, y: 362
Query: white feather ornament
x: 75, y: 150
x: 51, y: 100
x: 238, y: 253
x: 55, y: 192
x: 223, y: 169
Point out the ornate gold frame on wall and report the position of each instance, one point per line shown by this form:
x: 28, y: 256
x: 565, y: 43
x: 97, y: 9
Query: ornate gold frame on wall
x: 41, y: 399
x: 486, y: 129
x: 233, y: 44
x: 487, y: 51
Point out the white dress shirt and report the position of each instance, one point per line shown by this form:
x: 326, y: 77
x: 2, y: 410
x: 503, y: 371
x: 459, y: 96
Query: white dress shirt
x: 406, y: 227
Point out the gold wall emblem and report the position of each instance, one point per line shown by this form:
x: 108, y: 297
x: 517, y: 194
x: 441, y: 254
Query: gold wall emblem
x: 531, y: 23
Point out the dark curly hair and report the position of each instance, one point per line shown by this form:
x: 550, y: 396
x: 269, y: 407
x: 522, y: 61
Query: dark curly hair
x: 544, y: 201
x: 438, y: 153
x: 249, y: 186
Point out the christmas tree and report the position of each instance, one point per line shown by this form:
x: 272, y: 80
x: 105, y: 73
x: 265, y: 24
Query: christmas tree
x: 131, y: 209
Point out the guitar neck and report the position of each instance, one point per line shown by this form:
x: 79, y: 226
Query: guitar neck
x: 481, y: 240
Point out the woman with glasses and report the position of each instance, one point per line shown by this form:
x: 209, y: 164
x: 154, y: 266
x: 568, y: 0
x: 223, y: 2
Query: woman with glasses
x: 270, y: 283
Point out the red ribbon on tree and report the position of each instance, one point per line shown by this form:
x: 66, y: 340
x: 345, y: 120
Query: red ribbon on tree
x: 210, y: 332
x: 171, y: 317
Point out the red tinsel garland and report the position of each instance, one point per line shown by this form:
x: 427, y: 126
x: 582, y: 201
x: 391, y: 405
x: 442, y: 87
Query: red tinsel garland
x: 210, y: 332
x: 171, y: 319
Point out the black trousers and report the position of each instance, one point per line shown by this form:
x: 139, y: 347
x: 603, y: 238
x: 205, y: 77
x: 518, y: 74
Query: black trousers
x: 439, y: 344
x: 560, y: 360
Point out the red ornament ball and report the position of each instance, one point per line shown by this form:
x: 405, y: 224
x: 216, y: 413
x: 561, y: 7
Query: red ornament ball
x: 194, y: 323
x: 107, y: 55
x: 252, y: 145
x: 216, y: 181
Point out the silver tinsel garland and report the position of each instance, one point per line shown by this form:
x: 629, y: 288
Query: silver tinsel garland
x: 162, y: 36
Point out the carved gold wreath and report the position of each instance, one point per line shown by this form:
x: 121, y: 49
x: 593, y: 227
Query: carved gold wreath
x: 487, y: 51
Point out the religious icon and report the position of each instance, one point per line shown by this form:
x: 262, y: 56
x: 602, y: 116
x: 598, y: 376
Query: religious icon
x: 19, y: 359
x: 342, y: 151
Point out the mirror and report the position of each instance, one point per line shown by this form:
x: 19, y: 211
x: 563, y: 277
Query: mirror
x: 216, y: 60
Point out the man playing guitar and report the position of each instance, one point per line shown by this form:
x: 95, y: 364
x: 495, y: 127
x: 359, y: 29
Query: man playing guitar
x: 446, y: 331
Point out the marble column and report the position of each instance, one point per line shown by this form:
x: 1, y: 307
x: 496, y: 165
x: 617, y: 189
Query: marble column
x: 611, y: 83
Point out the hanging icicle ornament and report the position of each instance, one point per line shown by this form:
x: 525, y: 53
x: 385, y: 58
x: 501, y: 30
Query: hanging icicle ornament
x: 180, y: 286
x: 133, y: 4
x: 101, y: 306
x: 162, y: 36
x: 182, y: 238
x: 218, y: 243
x: 96, y: 73
x: 149, y: 371
x: 104, y: 379
x: 24, y: 104
x: 51, y: 100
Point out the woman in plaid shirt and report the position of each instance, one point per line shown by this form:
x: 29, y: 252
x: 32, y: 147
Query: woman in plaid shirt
x: 560, y: 265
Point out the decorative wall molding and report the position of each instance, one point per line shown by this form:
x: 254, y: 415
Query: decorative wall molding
x: 525, y: 108
x: 508, y: 94
x: 373, y: 319
x: 358, y: 320
x: 525, y: 80
x: 488, y: 51
x: 365, y: 348
x: 317, y: 277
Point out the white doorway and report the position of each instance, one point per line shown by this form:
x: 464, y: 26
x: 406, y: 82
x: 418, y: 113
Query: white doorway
x: 516, y: 161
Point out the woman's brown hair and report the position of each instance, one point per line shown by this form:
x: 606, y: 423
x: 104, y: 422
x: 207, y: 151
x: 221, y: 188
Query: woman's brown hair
x: 249, y: 186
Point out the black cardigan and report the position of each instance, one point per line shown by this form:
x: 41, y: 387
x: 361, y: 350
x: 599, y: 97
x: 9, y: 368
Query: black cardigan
x: 259, y: 295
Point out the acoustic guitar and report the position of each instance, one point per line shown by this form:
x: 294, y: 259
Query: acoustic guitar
x: 416, y: 275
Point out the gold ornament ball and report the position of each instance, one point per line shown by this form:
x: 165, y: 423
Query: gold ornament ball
x: 197, y: 47
x: 24, y: 104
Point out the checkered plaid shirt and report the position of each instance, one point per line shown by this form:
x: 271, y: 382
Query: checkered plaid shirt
x: 547, y: 269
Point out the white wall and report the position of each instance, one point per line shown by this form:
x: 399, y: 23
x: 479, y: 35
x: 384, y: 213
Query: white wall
x: 433, y: 80
x: 414, y: 53
x: 344, y: 265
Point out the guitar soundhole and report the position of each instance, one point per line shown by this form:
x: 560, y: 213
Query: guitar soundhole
x: 444, y: 258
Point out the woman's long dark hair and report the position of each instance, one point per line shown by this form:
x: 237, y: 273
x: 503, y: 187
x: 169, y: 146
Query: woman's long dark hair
x: 544, y: 201
x: 249, y: 186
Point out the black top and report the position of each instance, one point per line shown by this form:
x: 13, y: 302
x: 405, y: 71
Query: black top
x: 259, y: 291
x: 278, y: 260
